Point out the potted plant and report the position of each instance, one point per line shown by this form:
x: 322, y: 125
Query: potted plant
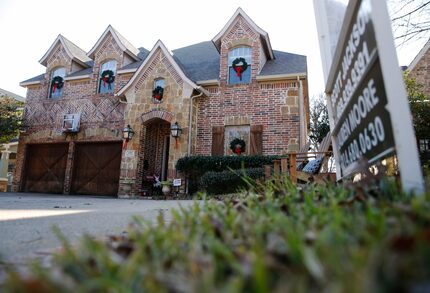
x: 165, y: 186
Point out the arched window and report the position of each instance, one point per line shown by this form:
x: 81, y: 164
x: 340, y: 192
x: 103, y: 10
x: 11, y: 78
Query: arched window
x: 239, y: 65
x: 107, y: 77
x: 57, y: 83
x: 158, y: 91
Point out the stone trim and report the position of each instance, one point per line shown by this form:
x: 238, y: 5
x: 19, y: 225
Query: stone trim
x: 237, y: 120
x: 162, y: 114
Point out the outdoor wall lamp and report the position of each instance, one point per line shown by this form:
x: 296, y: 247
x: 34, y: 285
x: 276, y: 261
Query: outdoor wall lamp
x: 127, y: 135
x: 175, y: 131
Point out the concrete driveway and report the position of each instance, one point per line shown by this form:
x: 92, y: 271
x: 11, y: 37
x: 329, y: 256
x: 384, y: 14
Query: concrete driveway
x: 26, y: 220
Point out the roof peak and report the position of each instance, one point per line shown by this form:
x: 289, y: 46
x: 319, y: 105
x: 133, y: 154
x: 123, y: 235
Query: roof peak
x: 264, y: 35
x: 123, y: 43
x: 75, y: 53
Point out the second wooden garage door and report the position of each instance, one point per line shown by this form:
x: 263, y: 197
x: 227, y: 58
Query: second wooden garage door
x: 96, y: 168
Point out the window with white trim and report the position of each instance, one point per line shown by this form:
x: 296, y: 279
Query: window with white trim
x: 239, y: 65
x: 57, y: 83
x: 107, y: 77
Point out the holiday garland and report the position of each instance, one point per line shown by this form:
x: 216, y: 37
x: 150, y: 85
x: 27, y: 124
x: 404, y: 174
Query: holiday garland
x: 157, y: 93
x: 239, y: 68
x: 237, y: 146
x: 108, y: 77
x: 57, y: 83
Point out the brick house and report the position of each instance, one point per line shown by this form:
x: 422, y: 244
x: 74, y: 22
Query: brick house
x: 420, y: 70
x: 234, y: 86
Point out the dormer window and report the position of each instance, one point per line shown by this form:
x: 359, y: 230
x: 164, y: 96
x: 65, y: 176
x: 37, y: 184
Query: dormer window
x: 107, y: 77
x: 57, y: 83
x: 239, y: 65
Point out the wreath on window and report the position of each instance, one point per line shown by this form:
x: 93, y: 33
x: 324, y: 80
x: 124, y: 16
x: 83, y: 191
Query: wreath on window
x: 239, y: 66
x: 108, y: 78
x: 57, y: 83
x: 157, y: 93
x: 237, y: 146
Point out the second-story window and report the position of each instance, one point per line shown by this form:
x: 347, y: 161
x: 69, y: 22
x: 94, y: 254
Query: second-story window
x: 239, y: 65
x: 107, y: 77
x: 57, y: 83
x: 158, y: 91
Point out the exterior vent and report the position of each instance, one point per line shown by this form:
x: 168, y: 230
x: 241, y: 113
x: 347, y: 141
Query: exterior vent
x: 71, y: 122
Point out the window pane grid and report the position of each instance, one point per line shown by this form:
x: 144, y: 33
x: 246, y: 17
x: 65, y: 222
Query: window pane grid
x: 58, y: 91
x: 240, y: 52
x: 103, y: 86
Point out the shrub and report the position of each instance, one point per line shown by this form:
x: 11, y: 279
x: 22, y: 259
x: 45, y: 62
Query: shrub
x: 229, y: 181
x: 194, y: 167
x: 203, y: 164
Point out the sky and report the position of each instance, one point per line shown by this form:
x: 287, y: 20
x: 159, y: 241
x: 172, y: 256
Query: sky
x: 28, y: 28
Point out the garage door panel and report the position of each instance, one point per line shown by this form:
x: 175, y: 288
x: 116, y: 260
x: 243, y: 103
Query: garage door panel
x: 45, y: 168
x: 96, y: 168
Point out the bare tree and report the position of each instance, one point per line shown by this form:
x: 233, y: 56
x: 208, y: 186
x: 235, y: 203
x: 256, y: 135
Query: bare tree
x: 410, y: 20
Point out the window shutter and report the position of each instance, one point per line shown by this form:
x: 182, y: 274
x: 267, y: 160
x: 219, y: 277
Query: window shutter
x: 256, y: 140
x: 218, y: 140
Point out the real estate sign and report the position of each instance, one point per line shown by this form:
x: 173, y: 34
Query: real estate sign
x: 368, y: 109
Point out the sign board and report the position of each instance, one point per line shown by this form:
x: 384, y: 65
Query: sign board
x: 368, y: 110
x: 177, y: 182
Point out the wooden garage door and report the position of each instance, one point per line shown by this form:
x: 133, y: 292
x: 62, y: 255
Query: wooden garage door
x: 96, y: 168
x: 45, y: 168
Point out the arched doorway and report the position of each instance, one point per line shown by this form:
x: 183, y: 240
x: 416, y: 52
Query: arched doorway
x: 156, y: 144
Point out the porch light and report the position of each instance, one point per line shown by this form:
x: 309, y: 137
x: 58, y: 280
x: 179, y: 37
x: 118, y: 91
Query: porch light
x: 175, y: 130
x: 128, y: 133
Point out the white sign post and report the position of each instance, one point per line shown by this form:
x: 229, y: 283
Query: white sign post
x: 368, y: 109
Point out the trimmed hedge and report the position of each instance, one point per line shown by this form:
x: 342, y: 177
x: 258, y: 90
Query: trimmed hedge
x: 194, y: 167
x: 203, y: 164
x: 228, y: 181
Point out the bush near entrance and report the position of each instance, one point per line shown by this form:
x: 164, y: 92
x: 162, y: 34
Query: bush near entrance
x: 229, y: 181
x: 194, y: 167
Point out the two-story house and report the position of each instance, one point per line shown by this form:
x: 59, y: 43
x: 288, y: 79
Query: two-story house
x: 234, y: 86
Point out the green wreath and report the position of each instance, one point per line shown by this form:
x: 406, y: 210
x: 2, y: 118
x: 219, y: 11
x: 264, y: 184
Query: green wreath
x: 239, y: 69
x: 57, y: 83
x: 237, y: 146
x: 157, y: 93
x: 108, y: 77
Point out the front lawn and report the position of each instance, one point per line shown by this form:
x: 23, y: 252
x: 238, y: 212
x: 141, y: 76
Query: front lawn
x: 272, y: 239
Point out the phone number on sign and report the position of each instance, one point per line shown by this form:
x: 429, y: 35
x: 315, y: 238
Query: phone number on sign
x: 367, y: 140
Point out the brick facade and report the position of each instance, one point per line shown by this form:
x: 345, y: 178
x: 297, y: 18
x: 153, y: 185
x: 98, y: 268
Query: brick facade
x: 277, y: 105
x: 420, y: 68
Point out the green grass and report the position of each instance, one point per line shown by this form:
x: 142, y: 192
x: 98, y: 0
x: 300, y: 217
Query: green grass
x: 273, y: 238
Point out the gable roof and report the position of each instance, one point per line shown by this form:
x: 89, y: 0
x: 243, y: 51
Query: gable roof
x: 199, y: 61
x: 158, y: 45
x: 419, y: 55
x: 122, y: 42
x: 33, y: 80
x: 74, y: 52
x: 263, y: 34
x: 5, y: 93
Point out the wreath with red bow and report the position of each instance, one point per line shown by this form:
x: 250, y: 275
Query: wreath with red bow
x: 237, y: 146
x: 157, y: 93
x: 108, y: 78
x: 239, y: 66
x: 57, y: 83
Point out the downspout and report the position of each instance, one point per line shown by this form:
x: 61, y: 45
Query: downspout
x: 202, y: 91
x: 301, y: 102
